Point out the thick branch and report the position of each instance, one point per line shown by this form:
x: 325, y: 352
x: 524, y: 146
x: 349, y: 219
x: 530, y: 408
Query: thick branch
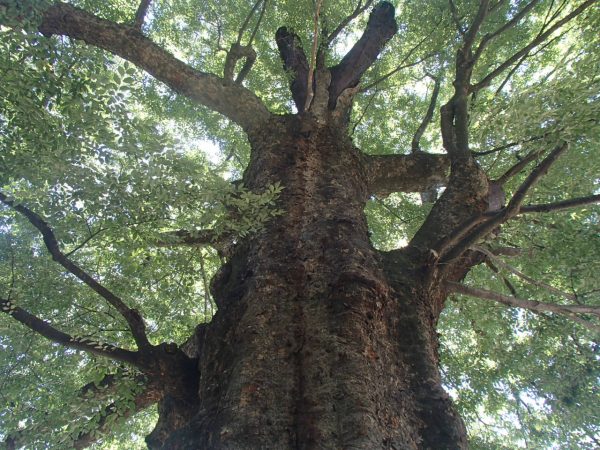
x: 381, y: 27
x: 49, y: 332
x: 294, y: 62
x: 567, y: 310
x: 133, y: 318
x: 465, y: 237
x: 233, y: 101
x: 416, y: 172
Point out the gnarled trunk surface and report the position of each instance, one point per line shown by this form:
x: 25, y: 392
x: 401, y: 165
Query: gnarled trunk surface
x: 316, y: 344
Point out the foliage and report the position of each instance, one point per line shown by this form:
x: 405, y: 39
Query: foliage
x: 113, y: 160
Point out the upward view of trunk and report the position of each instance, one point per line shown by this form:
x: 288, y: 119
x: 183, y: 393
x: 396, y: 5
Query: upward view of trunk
x: 320, y: 341
x: 316, y: 343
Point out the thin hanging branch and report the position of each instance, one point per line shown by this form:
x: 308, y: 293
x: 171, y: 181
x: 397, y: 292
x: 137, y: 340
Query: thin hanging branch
x: 132, y: 316
x: 569, y: 311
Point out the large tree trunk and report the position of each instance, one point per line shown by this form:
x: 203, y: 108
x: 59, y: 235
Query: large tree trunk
x: 320, y: 341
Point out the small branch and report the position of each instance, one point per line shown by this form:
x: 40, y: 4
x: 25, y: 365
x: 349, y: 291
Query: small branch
x: 144, y: 399
x: 85, y: 241
x: 456, y: 18
x: 133, y: 317
x: 566, y: 310
x: 49, y: 332
x: 485, y: 41
x: 534, y: 43
x: 521, y: 275
x: 518, y: 167
x: 402, y: 65
x: 428, y: 115
x: 558, y: 206
x: 198, y: 238
x: 140, y: 14
x: 360, y: 8
x: 247, y: 21
x: 313, y: 57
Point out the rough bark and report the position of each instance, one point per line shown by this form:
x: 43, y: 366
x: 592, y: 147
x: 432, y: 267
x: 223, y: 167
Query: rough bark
x: 320, y: 341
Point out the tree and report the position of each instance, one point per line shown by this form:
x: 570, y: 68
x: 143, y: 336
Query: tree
x: 341, y: 219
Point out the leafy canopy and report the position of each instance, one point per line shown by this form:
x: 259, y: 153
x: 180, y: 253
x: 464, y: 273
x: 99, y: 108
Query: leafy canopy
x: 113, y: 160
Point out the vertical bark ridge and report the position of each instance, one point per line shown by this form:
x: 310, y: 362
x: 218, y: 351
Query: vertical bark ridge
x: 311, y: 346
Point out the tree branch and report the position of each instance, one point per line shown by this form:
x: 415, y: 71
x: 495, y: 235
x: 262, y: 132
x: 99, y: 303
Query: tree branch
x: 466, y: 236
x: 234, y: 101
x: 295, y: 62
x: 416, y: 172
x: 558, y: 206
x: 140, y: 14
x: 567, y: 310
x: 485, y: 41
x: 43, y: 328
x: 132, y: 316
x: 360, y: 8
x: 521, y: 275
x: 535, y: 42
x: 381, y: 27
x: 428, y: 115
